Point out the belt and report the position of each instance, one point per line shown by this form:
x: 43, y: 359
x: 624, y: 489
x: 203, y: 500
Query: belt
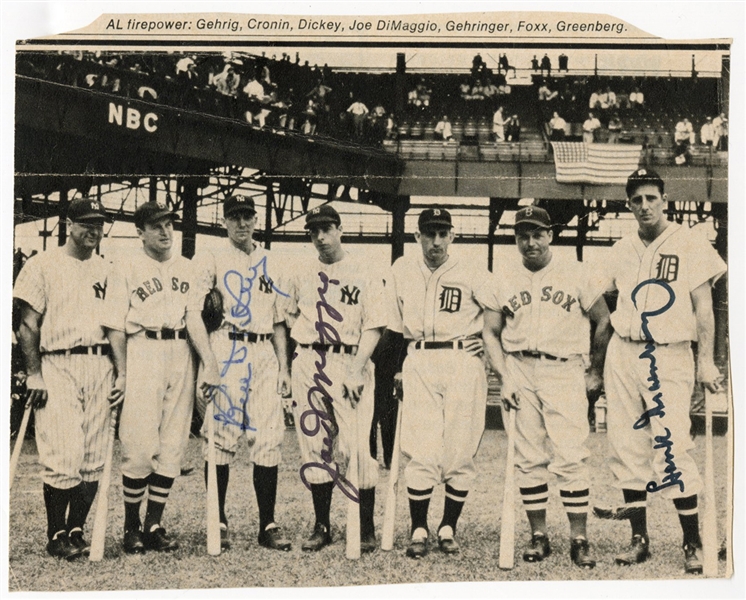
x: 240, y: 336
x: 166, y: 334
x: 333, y: 348
x: 454, y: 345
x: 97, y: 350
x: 534, y: 354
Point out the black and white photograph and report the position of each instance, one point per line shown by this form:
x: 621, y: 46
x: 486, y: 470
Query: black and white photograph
x: 317, y: 300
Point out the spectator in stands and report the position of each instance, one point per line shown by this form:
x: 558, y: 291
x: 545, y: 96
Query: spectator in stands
x: 720, y: 125
x: 308, y: 116
x: 546, y: 94
x: 707, y: 132
x: 465, y: 90
x: 187, y: 81
x: 615, y: 128
x: 590, y: 126
x: 490, y: 91
x: 498, y: 125
x: 594, y: 103
x: 557, y: 126
x: 547, y: 100
x: 546, y: 65
x: 443, y: 129
x: 377, y: 124
x: 636, y: 99
x: 359, y: 113
x: 513, y: 129
x: 562, y: 62
x: 182, y: 65
x: 319, y: 95
x: 257, y: 101
x: 227, y: 82
x: 477, y: 64
x: 608, y: 99
x: 391, y: 127
x: 682, y: 137
x: 534, y: 63
x: 504, y: 65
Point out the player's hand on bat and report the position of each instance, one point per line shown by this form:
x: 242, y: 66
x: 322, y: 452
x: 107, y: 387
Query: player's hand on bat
x: 36, y: 390
x: 352, y: 388
x: 594, y: 383
x: 398, y: 386
x: 116, y: 396
x: 210, y: 379
x: 509, y: 393
x: 474, y: 346
x: 709, y: 375
x: 283, y: 383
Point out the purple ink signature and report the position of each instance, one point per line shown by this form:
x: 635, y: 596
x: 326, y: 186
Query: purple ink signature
x: 314, y: 419
x: 664, y: 441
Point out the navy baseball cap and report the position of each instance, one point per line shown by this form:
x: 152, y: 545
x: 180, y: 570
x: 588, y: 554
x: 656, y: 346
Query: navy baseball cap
x: 643, y: 177
x: 433, y: 218
x: 533, y: 215
x: 87, y: 209
x: 151, y: 212
x: 321, y: 215
x: 238, y: 203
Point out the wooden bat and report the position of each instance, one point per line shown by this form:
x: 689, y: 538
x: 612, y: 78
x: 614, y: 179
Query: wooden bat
x: 389, y: 513
x: 213, y: 509
x: 101, y: 520
x: 19, y: 443
x: 353, y: 508
x: 709, y: 519
x: 507, y: 522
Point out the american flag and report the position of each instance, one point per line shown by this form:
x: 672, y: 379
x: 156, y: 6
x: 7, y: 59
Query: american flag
x: 578, y: 162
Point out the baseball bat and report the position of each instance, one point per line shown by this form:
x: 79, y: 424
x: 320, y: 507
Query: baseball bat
x: 709, y: 519
x: 19, y: 443
x: 389, y: 513
x: 101, y: 520
x: 213, y: 509
x: 353, y: 508
x: 507, y: 521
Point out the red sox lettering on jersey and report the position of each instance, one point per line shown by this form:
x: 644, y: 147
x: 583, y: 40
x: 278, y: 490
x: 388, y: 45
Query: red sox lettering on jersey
x: 548, y: 294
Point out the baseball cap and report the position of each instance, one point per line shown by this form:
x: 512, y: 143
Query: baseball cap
x: 643, y: 177
x: 433, y: 218
x: 87, y: 209
x: 238, y: 203
x: 533, y: 215
x: 152, y: 211
x: 322, y: 214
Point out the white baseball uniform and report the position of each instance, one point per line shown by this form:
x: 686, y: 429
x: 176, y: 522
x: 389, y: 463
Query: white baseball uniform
x: 146, y: 295
x: 332, y: 305
x: 71, y: 429
x: 546, y: 339
x: 247, y: 400
x: 661, y: 274
x: 445, y: 389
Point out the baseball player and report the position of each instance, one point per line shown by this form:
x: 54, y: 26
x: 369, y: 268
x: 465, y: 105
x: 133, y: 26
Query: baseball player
x: 537, y: 335
x: 244, y: 356
x: 145, y: 320
x: 434, y: 304
x: 337, y: 314
x: 664, y: 274
x: 69, y: 372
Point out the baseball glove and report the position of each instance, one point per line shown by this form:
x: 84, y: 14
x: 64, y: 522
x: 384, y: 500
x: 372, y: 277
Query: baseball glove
x: 212, y: 310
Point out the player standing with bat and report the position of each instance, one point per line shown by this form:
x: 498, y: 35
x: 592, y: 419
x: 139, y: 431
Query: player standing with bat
x: 69, y: 372
x: 537, y: 336
x: 664, y: 273
x: 337, y: 314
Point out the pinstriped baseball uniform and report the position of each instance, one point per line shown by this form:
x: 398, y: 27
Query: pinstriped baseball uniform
x: 251, y: 287
x: 71, y: 430
x: 679, y: 260
x: 445, y: 390
x: 546, y: 338
x: 147, y: 295
x: 355, y: 296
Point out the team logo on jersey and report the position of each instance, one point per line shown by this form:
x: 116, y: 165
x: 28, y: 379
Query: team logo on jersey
x: 350, y: 296
x: 668, y: 268
x: 450, y: 299
x: 266, y: 284
x: 100, y: 290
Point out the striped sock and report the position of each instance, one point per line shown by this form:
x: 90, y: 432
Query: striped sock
x: 535, y: 498
x: 639, y: 519
x: 133, y: 491
x: 454, y: 503
x: 575, y: 501
x: 419, y: 503
x: 689, y: 519
x: 159, y: 487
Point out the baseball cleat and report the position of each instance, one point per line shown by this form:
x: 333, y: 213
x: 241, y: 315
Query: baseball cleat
x: 320, y: 538
x: 446, y: 541
x: 620, y: 513
x: 368, y: 543
x: 539, y: 548
x: 580, y: 553
x: 60, y: 547
x: 225, y: 538
x: 157, y: 539
x: 692, y: 559
x: 639, y: 551
x: 418, y: 545
x: 273, y: 539
x: 132, y: 543
x: 77, y: 541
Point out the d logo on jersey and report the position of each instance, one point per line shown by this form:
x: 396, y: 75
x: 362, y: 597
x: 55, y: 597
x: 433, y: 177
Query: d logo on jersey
x: 265, y: 284
x: 100, y: 290
x: 668, y: 268
x: 450, y: 299
x: 350, y: 296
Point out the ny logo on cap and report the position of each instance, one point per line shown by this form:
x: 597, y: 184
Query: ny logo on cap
x: 315, y: 211
x: 240, y: 199
x: 529, y: 211
x: 642, y: 172
x: 436, y: 212
x: 161, y: 204
x: 95, y: 206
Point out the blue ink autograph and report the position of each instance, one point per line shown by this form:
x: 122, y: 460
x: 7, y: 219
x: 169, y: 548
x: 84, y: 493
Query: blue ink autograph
x: 241, y: 293
x: 664, y: 441
x: 315, y: 418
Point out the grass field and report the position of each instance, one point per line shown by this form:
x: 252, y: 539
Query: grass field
x: 248, y: 565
